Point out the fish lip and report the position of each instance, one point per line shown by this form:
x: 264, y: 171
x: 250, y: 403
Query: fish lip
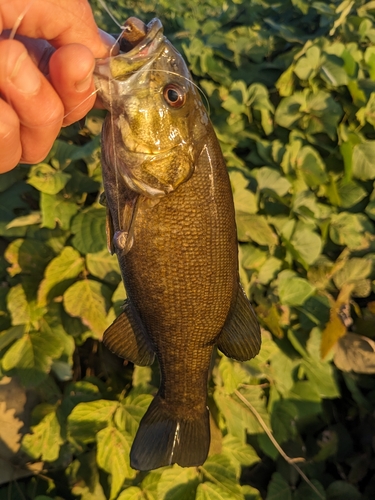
x: 146, y: 49
x: 153, y: 28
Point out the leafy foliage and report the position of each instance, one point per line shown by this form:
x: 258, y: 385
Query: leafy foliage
x: 290, y: 87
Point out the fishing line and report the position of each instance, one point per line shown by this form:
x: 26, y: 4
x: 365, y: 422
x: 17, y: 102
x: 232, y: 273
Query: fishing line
x: 106, y: 8
x: 13, y: 32
x: 104, y: 5
x: 19, y: 20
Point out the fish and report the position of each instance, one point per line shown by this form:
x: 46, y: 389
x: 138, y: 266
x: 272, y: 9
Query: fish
x: 171, y: 223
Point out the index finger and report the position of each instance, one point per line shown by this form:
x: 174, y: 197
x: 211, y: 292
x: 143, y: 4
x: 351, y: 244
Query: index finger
x: 61, y: 22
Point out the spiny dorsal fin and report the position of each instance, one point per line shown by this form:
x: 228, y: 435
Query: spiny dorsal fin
x: 240, y: 337
x: 128, y: 338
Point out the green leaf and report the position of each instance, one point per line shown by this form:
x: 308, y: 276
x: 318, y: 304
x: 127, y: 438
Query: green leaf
x: 323, y: 114
x: 244, y: 199
x: 314, y: 112
x: 132, y: 493
x: 251, y: 493
x: 232, y: 373
x: 256, y: 228
x: 57, y: 210
x: 278, y: 488
x: 113, y: 457
x: 220, y: 471
x: 238, y: 417
x: 269, y: 270
x: 46, y: 179
x: 343, y: 9
x: 150, y: 484
x: 9, y: 336
x: 293, y: 290
x: 281, y: 371
x: 212, y: 491
x: 342, y: 490
x: 45, y: 440
x: 283, y: 420
x: 350, y: 194
x: 350, y: 230
x: 311, y: 166
x: 307, y: 65
x: 307, y: 244
x: 258, y: 100
x: 314, y: 312
x: 333, y: 70
x: 322, y: 376
x: 270, y: 179
x: 288, y: 111
x: 305, y: 398
x: 348, y: 140
x: 85, y: 477
x: 10, y: 178
x: 285, y: 83
x: 18, y: 306
x: 63, y: 152
x: 354, y: 270
x: 31, y: 356
x: 239, y: 453
x: 129, y: 414
x: 364, y: 161
x: 104, y: 266
x: 60, y: 274
x: 87, y: 419
x: 28, y: 256
x: 370, y: 209
x: 88, y: 228
x: 306, y: 492
x: 177, y: 483
x: 252, y: 256
x: 25, y: 220
x: 89, y: 300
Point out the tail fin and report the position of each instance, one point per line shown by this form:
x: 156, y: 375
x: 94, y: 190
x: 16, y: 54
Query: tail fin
x: 164, y: 439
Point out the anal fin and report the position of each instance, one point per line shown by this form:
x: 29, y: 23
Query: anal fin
x: 240, y: 337
x: 128, y: 338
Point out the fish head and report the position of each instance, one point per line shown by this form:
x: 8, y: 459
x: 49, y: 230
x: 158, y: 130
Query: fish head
x: 157, y: 119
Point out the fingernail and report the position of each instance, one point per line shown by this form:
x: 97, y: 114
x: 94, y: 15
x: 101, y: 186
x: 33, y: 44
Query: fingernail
x: 25, y: 75
x: 84, y: 84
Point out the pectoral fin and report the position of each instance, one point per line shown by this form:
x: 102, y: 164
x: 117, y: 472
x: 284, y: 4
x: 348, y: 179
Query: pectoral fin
x: 128, y: 338
x: 240, y: 337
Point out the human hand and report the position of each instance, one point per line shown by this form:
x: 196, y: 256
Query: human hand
x: 45, y: 74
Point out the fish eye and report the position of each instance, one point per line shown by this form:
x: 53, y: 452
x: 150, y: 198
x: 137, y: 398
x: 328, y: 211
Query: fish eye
x: 174, y: 95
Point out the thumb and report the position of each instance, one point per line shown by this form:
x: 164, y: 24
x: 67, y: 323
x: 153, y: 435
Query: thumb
x: 61, y: 22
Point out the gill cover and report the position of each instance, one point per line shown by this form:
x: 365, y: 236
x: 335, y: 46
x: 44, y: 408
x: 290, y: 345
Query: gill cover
x: 153, y: 114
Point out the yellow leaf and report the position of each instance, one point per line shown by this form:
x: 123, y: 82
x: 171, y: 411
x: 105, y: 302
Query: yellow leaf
x: 338, y: 322
x: 271, y: 318
x: 355, y: 353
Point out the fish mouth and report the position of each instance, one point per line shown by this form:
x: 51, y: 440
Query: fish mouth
x: 139, y: 43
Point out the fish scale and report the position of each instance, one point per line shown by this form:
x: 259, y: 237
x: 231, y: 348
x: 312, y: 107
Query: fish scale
x: 171, y: 222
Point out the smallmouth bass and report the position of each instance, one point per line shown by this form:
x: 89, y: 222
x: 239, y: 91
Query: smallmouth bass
x: 170, y: 221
